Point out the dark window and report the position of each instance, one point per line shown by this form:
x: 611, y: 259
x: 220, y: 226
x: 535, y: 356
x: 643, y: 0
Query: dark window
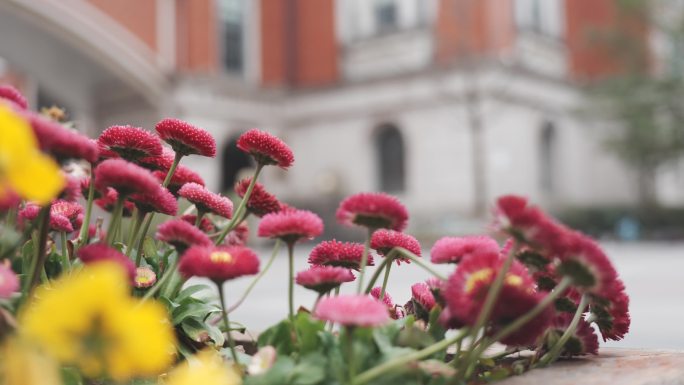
x: 391, y: 159
x: 547, y: 163
x: 385, y: 15
x: 233, y: 160
x: 231, y: 16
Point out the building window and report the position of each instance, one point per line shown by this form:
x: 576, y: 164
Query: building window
x: 233, y: 161
x: 547, y: 162
x: 385, y: 16
x: 231, y: 14
x: 391, y: 158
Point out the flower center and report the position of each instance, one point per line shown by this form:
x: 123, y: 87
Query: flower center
x: 477, y: 277
x: 221, y: 257
x: 513, y: 280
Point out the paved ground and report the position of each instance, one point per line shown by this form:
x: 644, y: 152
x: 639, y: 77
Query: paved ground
x: 653, y: 274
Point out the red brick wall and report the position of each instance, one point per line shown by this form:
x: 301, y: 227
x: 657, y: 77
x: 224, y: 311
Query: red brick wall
x: 592, y: 27
x: 196, y: 36
x: 138, y: 16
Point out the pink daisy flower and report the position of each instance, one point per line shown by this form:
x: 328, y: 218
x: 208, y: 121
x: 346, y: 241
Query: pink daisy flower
x: 453, y: 249
x: 8, y: 92
x: 582, y: 342
x: 130, y: 142
x: 373, y: 210
x: 260, y: 202
x: 180, y: 178
x: 9, y: 282
x: 181, y: 235
x: 206, y: 201
x: 423, y: 300
x: 98, y: 252
x: 144, y: 278
x: 589, y: 267
x: 393, y: 310
x: 108, y: 200
x: 61, y: 142
x: 186, y: 139
x: 205, y: 224
x: 162, y: 162
x: 352, y: 310
x: 322, y: 279
x: 336, y: 253
x: 384, y: 240
x: 291, y: 226
x: 9, y: 200
x: 219, y: 263
x: 266, y: 148
x: 124, y: 177
x: 160, y: 202
x: 238, y: 236
x: 64, y: 216
x: 612, y: 312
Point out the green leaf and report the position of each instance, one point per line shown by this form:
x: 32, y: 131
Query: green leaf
x: 279, y: 374
x: 307, y: 332
x: 184, y: 311
x: 150, y: 248
x: 309, y: 371
x: 279, y: 336
x: 187, y: 292
x: 71, y: 376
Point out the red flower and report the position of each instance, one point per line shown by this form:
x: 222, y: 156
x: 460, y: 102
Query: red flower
x: 98, y: 252
x: 467, y: 288
x: 612, y: 312
x: 144, y: 278
x: 238, y: 236
x: 583, y: 341
x: 384, y: 240
x: 63, y: 143
x: 181, y: 235
x: 107, y: 201
x: 373, y: 210
x: 8, y: 92
x: 8, y: 200
x: 130, y: 142
x: 180, y: 178
x: 125, y: 177
x: 266, y: 148
x: 324, y: 278
x: 185, y: 138
x: 336, y: 253
x: 162, y: 201
x: 392, y: 309
x: 291, y: 226
x: 260, y: 202
x: 423, y: 298
x: 206, y: 201
x: 65, y: 216
x: 352, y: 310
x: 452, y: 249
x: 162, y: 162
x: 219, y: 263
x: 205, y: 224
x: 587, y: 265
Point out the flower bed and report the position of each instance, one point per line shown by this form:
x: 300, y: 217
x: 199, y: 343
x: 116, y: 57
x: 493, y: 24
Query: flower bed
x: 88, y: 302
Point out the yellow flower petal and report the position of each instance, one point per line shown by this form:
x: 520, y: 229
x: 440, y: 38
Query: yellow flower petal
x: 206, y: 368
x: 37, y: 178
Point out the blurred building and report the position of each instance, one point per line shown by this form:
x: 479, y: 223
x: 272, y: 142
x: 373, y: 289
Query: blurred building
x: 445, y: 103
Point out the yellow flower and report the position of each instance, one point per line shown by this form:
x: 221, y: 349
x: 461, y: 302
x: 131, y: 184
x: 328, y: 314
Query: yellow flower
x: 88, y: 319
x: 23, y: 168
x: 22, y: 365
x: 206, y: 368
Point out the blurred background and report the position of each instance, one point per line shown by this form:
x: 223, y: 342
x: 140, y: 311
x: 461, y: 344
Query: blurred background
x: 578, y: 104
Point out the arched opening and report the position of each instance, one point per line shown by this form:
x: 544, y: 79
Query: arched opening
x: 391, y: 160
x: 233, y: 160
x: 547, y: 159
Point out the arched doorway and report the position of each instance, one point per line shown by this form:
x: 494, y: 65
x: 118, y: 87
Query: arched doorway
x: 391, y: 158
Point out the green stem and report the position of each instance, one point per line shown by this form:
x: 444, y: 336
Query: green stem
x: 172, y: 169
x: 83, y: 236
x: 133, y: 234
x: 256, y: 279
x: 241, y: 207
x: 318, y: 299
x: 198, y: 220
x: 66, y: 265
x: 349, y: 352
x: 162, y: 281
x: 116, y: 217
x: 555, y: 351
x: 141, y: 239
x: 385, y: 280
x: 378, y: 271
x: 290, y: 281
x: 419, y: 261
x: 364, y: 259
x: 400, y: 361
x: 41, y: 255
x: 332, y: 324
x: 226, y: 322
